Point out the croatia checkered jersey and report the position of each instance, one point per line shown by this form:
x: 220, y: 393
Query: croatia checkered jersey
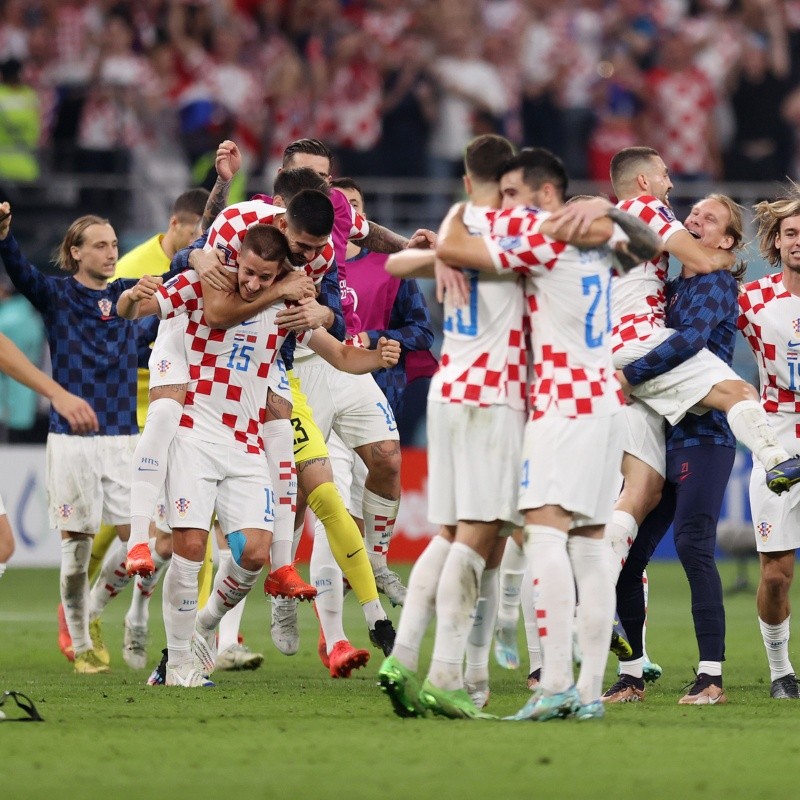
x: 93, y: 351
x: 228, y: 229
x: 484, y: 355
x: 769, y: 318
x: 228, y: 368
x: 568, y: 293
x: 638, y: 300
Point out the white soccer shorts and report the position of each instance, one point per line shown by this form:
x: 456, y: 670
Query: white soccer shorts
x: 89, y: 481
x: 644, y: 436
x: 278, y: 380
x: 473, y: 463
x: 573, y: 463
x: 677, y: 392
x: 349, y: 474
x: 168, y: 364
x: 203, y: 479
x: 352, y: 405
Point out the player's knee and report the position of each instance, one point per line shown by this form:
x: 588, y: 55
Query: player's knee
x: 384, y: 461
x: 775, y: 581
x: 250, y: 552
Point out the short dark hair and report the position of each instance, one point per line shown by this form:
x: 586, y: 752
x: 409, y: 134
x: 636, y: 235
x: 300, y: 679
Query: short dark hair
x: 192, y: 201
x: 539, y: 166
x: 311, y: 211
x: 629, y: 159
x: 346, y: 183
x: 311, y: 147
x: 289, y: 182
x: 485, y: 154
x: 265, y: 241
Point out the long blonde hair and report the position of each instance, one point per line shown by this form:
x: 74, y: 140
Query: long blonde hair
x: 769, y: 216
x: 75, y: 237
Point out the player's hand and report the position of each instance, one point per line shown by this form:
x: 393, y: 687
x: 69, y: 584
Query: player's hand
x: 423, y: 239
x: 146, y: 287
x: 295, y: 285
x: 228, y: 161
x: 210, y: 266
x: 389, y: 351
x: 5, y: 219
x: 307, y: 315
x: 577, y: 217
x: 76, y: 411
x: 623, y: 382
x: 451, y: 282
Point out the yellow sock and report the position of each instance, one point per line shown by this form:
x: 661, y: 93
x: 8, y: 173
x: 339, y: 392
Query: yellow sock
x: 100, y: 545
x: 345, y: 540
x: 204, y: 580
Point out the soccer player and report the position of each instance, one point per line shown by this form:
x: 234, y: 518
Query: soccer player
x: 770, y: 322
x: 641, y: 182
x: 94, y: 353
x: 387, y: 307
x: 572, y: 444
x: 225, y: 405
x: 77, y: 412
x: 702, y: 309
x: 476, y: 404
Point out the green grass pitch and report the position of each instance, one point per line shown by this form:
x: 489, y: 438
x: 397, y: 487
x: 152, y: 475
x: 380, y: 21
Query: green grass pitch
x: 289, y: 731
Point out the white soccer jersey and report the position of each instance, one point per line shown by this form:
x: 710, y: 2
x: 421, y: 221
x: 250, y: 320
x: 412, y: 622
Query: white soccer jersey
x: 228, y: 368
x: 228, y: 229
x: 483, y: 360
x: 569, y: 307
x: 637, y: 305
x: 770, y: 321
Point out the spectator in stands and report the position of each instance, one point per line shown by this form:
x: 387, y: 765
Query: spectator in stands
x: 20, y: 123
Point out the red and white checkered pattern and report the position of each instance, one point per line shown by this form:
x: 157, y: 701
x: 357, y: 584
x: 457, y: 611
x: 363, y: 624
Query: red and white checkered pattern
x: 228, y: 229
x: 228, y: 368
x: 770, y: 321
x: 682, y: 104
x: 568, y: 292
x: 637, y: 302
x: 484, y: 357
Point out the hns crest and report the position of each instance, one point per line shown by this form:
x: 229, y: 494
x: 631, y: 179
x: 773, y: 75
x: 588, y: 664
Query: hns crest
x: 182, y: 506
x: 764, y: 530
x: 105, y: 306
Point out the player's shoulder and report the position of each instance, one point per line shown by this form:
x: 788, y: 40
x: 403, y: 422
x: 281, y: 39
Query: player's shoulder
x: 648, y: 207
x: 754, y: 295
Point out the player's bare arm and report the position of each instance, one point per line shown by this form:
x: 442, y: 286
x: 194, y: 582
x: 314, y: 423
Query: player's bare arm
x: 308, y: 314
x: 78, y: 413
x: 140, y: 300
x: 210, y: 266
x: 224, y: 309
x: 5, y: 219
x: 411, y: 264
x: 643, y: 244
x: 697, y: 257
x: 354, y: 359
x: 382, y: 240
x: 228, y: 162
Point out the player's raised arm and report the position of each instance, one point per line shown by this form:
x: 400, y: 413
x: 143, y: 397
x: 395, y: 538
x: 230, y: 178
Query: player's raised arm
x: 412, y: 263
x: 139, y: 301
x: 355, y: 360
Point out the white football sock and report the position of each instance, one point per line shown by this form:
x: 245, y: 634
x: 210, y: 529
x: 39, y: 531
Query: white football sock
x: 479, y: 642
x: 74, y: 584
x: 595, y: 616
x: 528, y: 606
x: 139, y: 611
x: 713, y: 668
x: 456, y: 598
x: 228, y: 634
x: 278, y: 442
x: 327, y: 578
x: 379, y: 518
x: 2, y: 569
x: 634, y: 667
x: 749, y: 424
x: 150, y: 464
x: 231, y: 585
x: 646, y: 593
x: 179, y: 606
x: 776, y: 643
x: 512, y: 568
x: 620, y: 534
x: 420, y: 602
x: 298, y: 535
x: 554, y: 587
x: 111, y: 580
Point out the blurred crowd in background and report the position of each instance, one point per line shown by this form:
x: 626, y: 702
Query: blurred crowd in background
x: 146, y: 90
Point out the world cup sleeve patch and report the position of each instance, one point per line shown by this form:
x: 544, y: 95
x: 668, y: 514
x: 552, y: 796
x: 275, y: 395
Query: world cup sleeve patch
x: 507, y: 243
x: 666, y: 214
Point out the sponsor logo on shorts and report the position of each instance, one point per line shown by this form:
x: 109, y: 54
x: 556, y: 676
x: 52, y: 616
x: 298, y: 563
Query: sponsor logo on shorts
x: 162, y: 367
x: 65, y: 511
x: 182, y: 506
x: 764, y: 530
x: 105, y: 306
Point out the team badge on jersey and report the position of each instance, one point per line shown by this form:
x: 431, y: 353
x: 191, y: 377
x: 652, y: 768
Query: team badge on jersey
x: 666, y: 213
x: 764, y: 530
x: 65, y: 511
x: 105, y: 306
x: 162, y: 367
x: 509, y: 242
x: 182, y: 506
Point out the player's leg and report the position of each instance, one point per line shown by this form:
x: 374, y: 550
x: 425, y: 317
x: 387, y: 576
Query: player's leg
x: 6, y: 539
x: 512, y: 570
x: 101, y: 544
x: 705, y: 470
x: 534, y: 645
